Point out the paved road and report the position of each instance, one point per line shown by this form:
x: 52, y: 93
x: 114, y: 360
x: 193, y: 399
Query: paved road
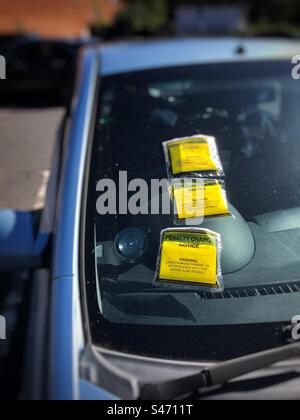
x: 27, y: 138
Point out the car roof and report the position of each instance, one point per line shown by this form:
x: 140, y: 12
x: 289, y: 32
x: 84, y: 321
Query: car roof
x: 133, y: 56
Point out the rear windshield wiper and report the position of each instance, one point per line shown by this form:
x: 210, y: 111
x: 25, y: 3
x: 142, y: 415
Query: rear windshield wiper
x: 217, y: 375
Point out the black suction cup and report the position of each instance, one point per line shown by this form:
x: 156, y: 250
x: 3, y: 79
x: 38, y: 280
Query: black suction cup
x: 131, y: 243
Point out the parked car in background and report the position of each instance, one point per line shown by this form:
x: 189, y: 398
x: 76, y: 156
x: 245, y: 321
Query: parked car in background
x: 97, y: 329
x: 9, y: 39
x: 40, y: 68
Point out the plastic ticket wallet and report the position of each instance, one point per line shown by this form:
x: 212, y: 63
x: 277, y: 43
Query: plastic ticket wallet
x: 190, y: 258
x: 196, y: 155
x: 198, y: 198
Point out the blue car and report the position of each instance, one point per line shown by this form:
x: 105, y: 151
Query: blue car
x: 98, y: 328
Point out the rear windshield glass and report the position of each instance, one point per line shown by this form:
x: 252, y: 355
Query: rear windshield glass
x: 252, y: 110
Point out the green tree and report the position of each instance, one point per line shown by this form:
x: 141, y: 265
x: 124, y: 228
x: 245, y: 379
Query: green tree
x: 140, y: 17
x: 145, y: 16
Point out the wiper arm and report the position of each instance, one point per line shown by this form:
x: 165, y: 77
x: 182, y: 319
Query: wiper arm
x: 218, y: 375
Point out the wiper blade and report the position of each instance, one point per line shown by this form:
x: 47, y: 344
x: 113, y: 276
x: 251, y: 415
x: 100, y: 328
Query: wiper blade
x: 218, y: 375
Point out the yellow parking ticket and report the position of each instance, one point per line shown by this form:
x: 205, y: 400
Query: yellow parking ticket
x: 199, y: 198
x: 197, y: 155
x: 190, y: 257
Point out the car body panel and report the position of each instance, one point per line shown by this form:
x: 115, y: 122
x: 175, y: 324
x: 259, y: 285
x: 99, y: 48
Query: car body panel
x: 66, y: 323
x: 67, y: 232
x: 67, y: 341
x: 136, y: 56
x: 91, y: 392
